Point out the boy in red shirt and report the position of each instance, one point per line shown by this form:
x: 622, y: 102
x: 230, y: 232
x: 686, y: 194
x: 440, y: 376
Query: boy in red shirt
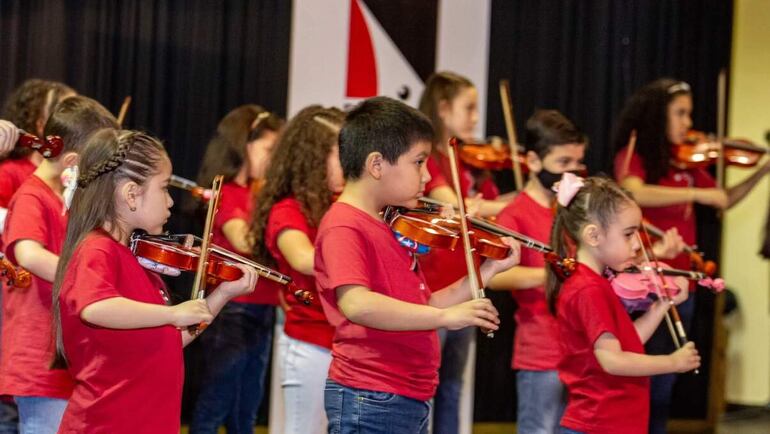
x: 33, y: 238
x: 554, y: 146
x: 385, y: 352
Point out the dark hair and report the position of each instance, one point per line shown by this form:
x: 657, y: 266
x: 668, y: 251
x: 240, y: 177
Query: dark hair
x: 548, y: 128
x: 440, y: 86
x: 380, y: 124
x: 598, y: 201
x: 31, y: 102
x: 109, y: 158
x: 646, y: 111
x: 298, y: 168
x: 226, y: 151
x: 75, y: 119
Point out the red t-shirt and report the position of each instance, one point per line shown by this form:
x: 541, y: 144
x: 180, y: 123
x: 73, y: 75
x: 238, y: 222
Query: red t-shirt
x: 598, y: 402
x: 12, y: 175
x: 126, y: 381
x: 235, y: 202
x: 536, y: 343
x: 442, y: 267
x: 680, y: 216
x: 35, y: 213
x: 354, y: 248
x: 303, y: 322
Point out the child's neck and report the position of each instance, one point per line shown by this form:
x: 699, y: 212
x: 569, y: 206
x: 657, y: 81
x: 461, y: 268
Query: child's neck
x: 242, y: 178
x: 50, y: 173
x: 541, y: 195
x: 357, y: 194
x: 587, y: 258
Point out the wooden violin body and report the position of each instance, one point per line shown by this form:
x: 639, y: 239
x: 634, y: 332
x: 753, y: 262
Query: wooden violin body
x: 490, y: 156
x: 14, y: 276
x: 49, y: 147
x: 700, y: 150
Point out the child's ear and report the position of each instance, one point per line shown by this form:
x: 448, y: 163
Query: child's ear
x: 129, y: 192
x: 590, y: 235
x: 443, y: 109
x: 70, y: 159
x: 373, y: 164
x: 534, y: 163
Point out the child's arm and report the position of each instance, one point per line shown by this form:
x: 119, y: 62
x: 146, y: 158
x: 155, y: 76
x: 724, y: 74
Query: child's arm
x: 296, y: 248
x: 518, y: 278
x: 647, y: 324
x: 371, y: 309
x: 32, y: 256
x: 615, y: 361
x: 236, y: 231
x: 650, y: 195
x: 123, y: 313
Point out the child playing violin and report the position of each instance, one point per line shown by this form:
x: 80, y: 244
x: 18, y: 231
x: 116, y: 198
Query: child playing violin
x: 602, y: 363
x: 33, y: 238
x: 304, y: 174
x: 385, y: 350
x: 237, y: 347
x: 659, y: 114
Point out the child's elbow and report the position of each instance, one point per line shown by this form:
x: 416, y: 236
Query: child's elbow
x: 608, y: 361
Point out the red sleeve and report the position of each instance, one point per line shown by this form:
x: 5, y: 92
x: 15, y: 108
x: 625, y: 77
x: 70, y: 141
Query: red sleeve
x: 635, y: 166
x: 26, y: 221
x: 344, y: 259
x: 593, y: 311
x: 284, y: 215
x: 437, y: 178
x: 232, y: 206
x: 93, y: 278
x: 6, y: 190
x: 703, y: 179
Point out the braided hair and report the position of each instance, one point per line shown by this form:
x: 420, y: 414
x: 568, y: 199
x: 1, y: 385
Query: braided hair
x: 597, y: 202
x: 110, y: 158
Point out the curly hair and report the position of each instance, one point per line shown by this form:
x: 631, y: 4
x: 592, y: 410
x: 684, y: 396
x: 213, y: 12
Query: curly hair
x: 298, y: 168
x: 30, y: 105
x: 646, y: 111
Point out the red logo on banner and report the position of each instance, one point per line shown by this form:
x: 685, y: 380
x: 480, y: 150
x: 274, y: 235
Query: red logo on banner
x: 362, y: 66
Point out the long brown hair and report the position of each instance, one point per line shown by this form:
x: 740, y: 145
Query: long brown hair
x: 226, y: 151
x: 109, y: 158
x: 298, y: 168
x: 441, y: 86
x: 598, y: 201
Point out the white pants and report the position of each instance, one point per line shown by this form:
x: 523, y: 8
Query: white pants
x: 304, y: 368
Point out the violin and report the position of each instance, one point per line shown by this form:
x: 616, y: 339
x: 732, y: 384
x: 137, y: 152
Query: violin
x: 696, y: 258
x: 490, y: 156
x: 180, y: 251
x: 12, y: 275
x: 50, y: 147
x: 700, y: 150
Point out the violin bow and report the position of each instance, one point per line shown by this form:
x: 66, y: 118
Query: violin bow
x: 474, y: 275
x: 199, y: 285
x: 123, y: 110
x: 630, y: 149
x: 510, y: 126
x: 721, y: 130
x: 675, y: 327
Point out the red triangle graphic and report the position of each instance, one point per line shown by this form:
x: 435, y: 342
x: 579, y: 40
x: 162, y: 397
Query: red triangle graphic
x: 362, y: 67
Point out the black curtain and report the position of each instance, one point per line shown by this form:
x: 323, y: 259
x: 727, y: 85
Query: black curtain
x: 585, y: 58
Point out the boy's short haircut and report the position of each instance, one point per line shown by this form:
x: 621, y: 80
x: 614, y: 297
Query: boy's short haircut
x: 75, y: 119
x: 548, y: 128
x: 382, y: 125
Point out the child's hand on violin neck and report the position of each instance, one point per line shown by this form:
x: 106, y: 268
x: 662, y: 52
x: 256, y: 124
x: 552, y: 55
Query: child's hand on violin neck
x: 513, y: 259
x: 686, y: 358
x: 669, y: 246
x: 244, y: 285
x: 480, y: 312
x: 191, y: 312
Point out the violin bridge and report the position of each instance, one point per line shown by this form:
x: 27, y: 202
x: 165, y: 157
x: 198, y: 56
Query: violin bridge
x: 189, y: 240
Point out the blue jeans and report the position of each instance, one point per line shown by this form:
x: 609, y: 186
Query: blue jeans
x: 357, y: 411
x: 454, y: 356
x: 563, y: 430
x: 9, y: 418
x: 237, y: 350
x: 661, y: 386
x: 38, y: 415
x: 541, y: 402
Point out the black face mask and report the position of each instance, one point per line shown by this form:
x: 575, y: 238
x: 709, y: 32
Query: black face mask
x: 548, y: 179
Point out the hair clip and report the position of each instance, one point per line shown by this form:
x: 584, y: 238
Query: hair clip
x: 679, y: 87
x: 334, y: 127
x: 258, y: 120
x: 567, y: 188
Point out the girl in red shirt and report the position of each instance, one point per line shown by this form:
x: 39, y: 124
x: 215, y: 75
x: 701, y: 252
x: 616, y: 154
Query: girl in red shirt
x: 603, y: 364
x: 237, y: 347
x: 660, y: 114
x: 304, y: 174
x: 450, y: 101
x: 116, y: 332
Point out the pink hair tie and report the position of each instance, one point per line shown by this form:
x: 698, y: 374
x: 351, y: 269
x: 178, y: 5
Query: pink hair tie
x: 567, y: 188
